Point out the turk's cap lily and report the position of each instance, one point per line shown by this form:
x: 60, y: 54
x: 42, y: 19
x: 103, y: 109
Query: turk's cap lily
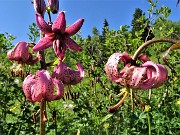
x: 54, y: 5
x: 67, y: 75
x: 39, y: 6
x: 57, y: 34
x: 21, y: 54
x: 148, y: 75
x: 41, y: 87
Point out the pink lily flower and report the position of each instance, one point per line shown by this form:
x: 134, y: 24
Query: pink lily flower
x: 68, y: 76
x: 58, y: 35
x: 21, y: 54
x: 148, y: 75
x: 41, y: 87
x: 54, y: 5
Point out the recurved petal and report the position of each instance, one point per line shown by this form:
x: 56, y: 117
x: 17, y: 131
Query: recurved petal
x: 43, y: 43
x: 71, y: 44
x: 74, y: 28
x: 59, y: 24
x: 156, y: 74
x: 76, y: 75
x: 43, y: 26
x: 81, y: 69
x: 44, y: 85
x: 28, y: 85
x: 67, y: 75
x: 31, y: 60
x: 19, y: 52
x: 162, y: 75
x: 111, y: 67
x: 143, y: 58
x: 138, y: 77
x: 60, y: 90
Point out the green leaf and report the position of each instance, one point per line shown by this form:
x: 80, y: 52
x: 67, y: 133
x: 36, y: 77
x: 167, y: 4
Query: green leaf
x: 106, y: 117
x: 53, y: 63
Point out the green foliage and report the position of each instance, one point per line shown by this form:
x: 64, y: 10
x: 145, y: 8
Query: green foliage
x: 5, y: 42
x: 34, y: 32
x: 141, y: 26
x: 90, y: 98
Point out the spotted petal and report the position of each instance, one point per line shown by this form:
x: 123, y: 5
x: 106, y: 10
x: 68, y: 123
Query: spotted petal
x: 19, y: 52
x: 74, y: 28
x: 156, y: 74
x: 43, y: 26
x: 71, y: 44
x: 41, y: 86
x: 28, y: 83
x: 111, y: 66
x: 44, y: 43
x: 59, y: 88
x: 68, y: 76
x: 59, y: 24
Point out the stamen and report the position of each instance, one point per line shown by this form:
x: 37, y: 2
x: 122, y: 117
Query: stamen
x: 112, y: 109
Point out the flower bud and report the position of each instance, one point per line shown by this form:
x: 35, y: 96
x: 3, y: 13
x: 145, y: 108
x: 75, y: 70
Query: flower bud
x: 39, y: 6
x: 54, y: 5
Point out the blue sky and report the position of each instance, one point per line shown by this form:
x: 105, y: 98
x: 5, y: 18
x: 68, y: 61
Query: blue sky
x: 17, y: 15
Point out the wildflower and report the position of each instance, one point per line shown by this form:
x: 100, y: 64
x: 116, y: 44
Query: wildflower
x: 58, y: 35
x: 16, y: 81
x: 41, y: 87
x: 148, y: 75
x: 21, y: 54
x: 54, y: 5
x: 69, y: 106
x: 178, y: 102
x: 67, y: 75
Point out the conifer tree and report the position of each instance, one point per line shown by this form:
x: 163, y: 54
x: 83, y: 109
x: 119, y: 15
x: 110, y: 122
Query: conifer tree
x: 141, y: 23
x: 105, y: 29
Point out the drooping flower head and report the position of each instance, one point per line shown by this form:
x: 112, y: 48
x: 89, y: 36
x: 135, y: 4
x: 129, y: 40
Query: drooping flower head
x: 148, y: 75
x: 54, y: 5
x: 67, y: 75
x: 21, y: 54
x: 39, y: 6
x: 41, y: 87
x: 58, y: 35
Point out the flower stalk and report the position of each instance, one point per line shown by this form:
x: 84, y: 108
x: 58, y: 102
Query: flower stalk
x: 43, y: 102
x: 149, y: 123
x: 42, y: 122
x: 154, y: 40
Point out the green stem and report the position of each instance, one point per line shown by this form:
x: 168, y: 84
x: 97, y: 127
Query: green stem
x: 107, y: 131
x: 149, y: 123
x: 43, y: 102
x: 154, y: 40
x: 132, y: 101
x: 42, y: 122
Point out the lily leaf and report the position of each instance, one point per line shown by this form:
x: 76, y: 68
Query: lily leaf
x: 173, y: 47
x: 106, y: 117
x: 53, y: 63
